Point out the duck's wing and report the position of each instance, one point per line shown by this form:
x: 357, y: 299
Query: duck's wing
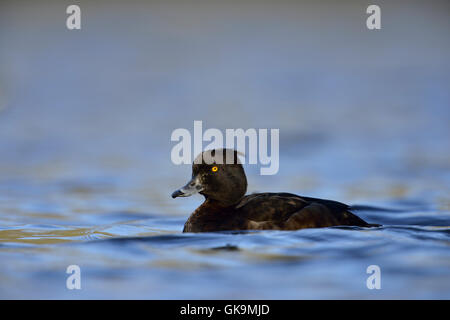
x: 289, y: 211
x: 270, y: 206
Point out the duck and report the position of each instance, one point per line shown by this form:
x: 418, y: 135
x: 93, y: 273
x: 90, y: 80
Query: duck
x: 227, y: 207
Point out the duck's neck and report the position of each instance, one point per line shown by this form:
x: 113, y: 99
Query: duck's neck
x: 211, y: 206
x: 215, y: 205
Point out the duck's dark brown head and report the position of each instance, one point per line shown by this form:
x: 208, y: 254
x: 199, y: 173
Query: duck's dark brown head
x: 218, y: 175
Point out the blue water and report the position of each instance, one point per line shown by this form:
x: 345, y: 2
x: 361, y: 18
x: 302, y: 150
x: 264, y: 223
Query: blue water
x: 85, y: 124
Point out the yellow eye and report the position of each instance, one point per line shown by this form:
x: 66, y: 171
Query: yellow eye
x: 214, y: 169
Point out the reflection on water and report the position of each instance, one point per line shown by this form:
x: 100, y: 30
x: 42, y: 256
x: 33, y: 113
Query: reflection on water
x: 85, y: 124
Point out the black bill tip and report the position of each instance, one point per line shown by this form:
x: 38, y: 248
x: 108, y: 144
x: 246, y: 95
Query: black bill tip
x: 177, y: 194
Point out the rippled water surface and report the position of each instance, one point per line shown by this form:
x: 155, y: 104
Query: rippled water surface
x: 85, y: 124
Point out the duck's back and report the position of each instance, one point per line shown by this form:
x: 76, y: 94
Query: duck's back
x: 286, y: 211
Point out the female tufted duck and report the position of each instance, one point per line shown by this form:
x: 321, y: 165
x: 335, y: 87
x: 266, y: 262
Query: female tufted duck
x: 226, y: 206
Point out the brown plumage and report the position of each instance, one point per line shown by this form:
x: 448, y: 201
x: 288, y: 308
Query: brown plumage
x: 227, y: 208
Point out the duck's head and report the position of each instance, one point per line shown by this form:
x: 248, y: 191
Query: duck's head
x: 218, y: 175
